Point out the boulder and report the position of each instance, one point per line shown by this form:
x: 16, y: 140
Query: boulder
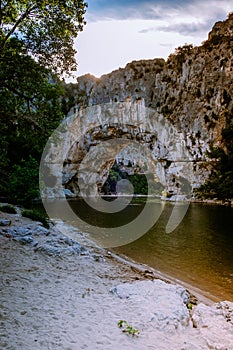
x: 156, y: 303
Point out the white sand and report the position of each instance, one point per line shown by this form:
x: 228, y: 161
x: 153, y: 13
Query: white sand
x: 65, y: 303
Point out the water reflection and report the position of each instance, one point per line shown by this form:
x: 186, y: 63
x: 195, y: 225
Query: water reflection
x: 199, y: 251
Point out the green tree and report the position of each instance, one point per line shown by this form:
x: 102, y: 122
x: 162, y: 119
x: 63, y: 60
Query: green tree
x: 36, y: 48
x: 111, y: 182
x: 23, y: 174
x: 139, y: 182
x: 46, y: 29
x: 220, y: 183
x: 30, y: 108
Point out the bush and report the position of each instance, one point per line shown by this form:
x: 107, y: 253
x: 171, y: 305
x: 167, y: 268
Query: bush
x: 220, y: 183
x: 181, y: 54
x: 36, y: 216
x: 139, y: 182
x: 8, y: 209
x: 23, y: 185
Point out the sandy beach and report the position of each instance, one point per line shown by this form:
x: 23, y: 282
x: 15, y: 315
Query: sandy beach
x: 61, y: 294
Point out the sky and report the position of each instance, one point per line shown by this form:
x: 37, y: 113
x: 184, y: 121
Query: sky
x: 120, y: 31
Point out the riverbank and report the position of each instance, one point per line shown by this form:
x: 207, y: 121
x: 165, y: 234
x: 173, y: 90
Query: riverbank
x: 62, y: 294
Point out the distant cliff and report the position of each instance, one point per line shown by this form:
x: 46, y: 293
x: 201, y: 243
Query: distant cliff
x: 193, y: 90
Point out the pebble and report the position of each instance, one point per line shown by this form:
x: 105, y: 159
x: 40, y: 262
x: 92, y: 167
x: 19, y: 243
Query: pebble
x: 5, y: 222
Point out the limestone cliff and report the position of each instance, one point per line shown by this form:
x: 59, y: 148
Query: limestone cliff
x: 192, y: 90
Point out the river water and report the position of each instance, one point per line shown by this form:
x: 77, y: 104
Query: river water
x: 199, y: 251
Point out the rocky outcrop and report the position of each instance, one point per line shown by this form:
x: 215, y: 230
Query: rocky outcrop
x: 191, y: 92
x: 50, y: 241
x: 157, y: 311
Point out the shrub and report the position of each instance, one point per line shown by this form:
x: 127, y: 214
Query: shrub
x: 126, y: 328
x: 8, y: 209
x: 23, y: 185
x: 181, y: 54
x: 36, y: 216
x: 220, y: 183
x: 216, y: 40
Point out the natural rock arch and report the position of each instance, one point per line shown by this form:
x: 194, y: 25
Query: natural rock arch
x: 83, y: 130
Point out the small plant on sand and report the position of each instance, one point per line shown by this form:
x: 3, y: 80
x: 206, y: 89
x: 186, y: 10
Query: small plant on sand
x: 126, y: 328
x: 8, y: 209
x: 190, y: 306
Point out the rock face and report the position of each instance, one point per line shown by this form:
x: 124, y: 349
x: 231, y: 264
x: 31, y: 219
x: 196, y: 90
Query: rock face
x: 137, y: 137
x: 191, y: 93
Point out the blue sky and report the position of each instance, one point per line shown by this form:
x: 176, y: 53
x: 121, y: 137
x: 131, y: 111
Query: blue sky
x: 120, y: 31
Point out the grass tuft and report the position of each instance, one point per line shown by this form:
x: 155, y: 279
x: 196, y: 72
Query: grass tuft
x: 36, y: 216
x: 8, y: 209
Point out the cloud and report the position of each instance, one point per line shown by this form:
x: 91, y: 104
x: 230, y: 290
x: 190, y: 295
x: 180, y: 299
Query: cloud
x: 99, y: 10
x: 199, y: 19
x: 170, y: 45
x: 186, y: 29
x: 132, y: 9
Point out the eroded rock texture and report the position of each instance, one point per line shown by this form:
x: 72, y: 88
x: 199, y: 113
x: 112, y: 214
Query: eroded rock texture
x: 176, y: 108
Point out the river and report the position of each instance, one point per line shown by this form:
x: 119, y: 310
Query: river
x: 199, y: 251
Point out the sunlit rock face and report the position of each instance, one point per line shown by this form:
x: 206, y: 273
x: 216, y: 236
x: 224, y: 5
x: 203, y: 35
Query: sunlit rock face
x: 92, y: 139
x: 176, y: 109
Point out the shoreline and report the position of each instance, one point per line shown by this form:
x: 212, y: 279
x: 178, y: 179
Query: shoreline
x: 85, y: 240
x: 197, y: 294
x: 175, y: 199
x: 65, y: 294
x: 149, y: 272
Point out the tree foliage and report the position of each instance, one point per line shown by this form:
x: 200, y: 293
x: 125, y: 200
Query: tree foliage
x: 180, y: 56
x: 36, y: 46
x: 140, y: 182
x: 220, y: 183
x: 23, y: 182
x: 29, y: 108
x: 46, y: 30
